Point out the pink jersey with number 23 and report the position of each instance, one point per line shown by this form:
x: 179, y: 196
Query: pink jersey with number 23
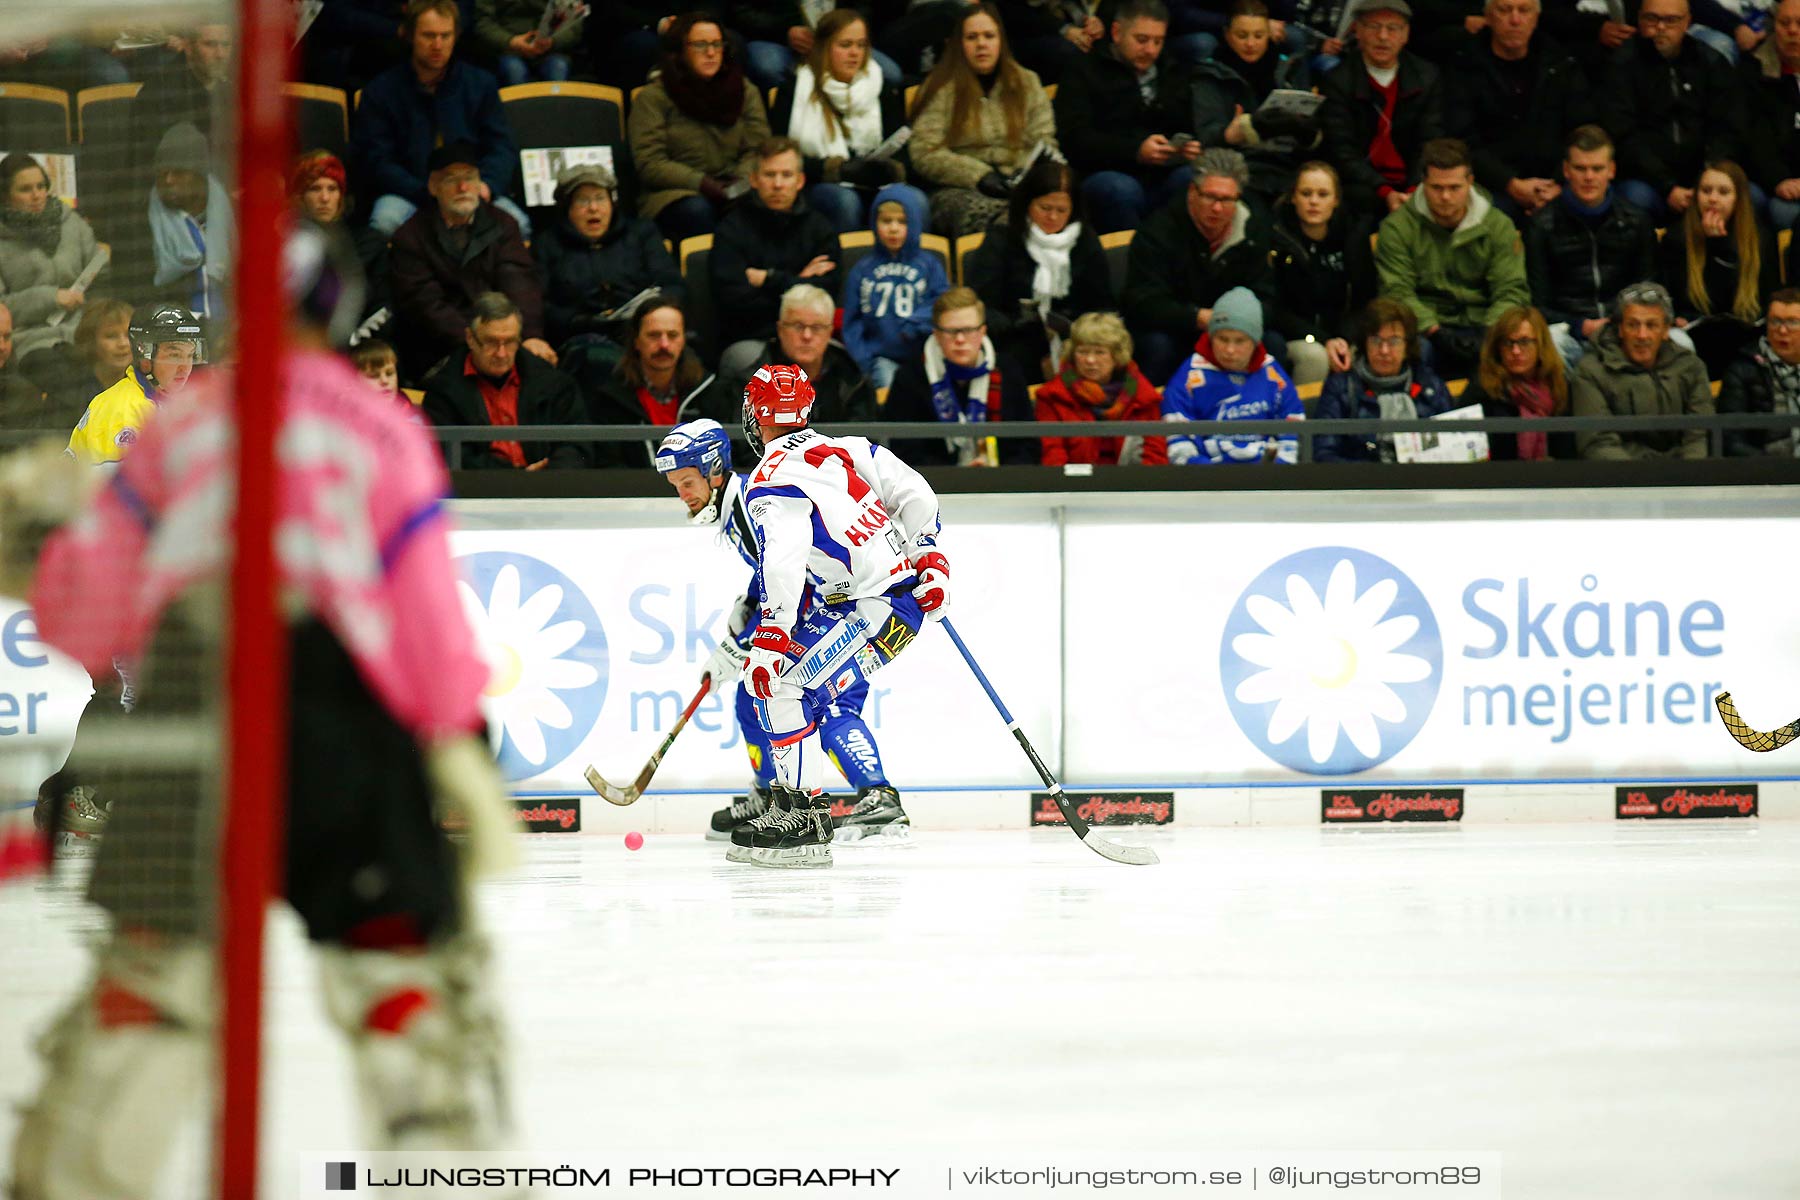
x: 361, y: 538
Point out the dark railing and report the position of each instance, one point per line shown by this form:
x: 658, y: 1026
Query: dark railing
x: 1305, y: 432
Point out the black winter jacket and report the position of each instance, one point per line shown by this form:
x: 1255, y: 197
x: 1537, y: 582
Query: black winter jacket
x: 583, y: 279
x: 1509, y: 138
x: 909, y: 399
x: 1102, y: 119
x: 1172, y: 272
x: 1749, y: 387
x: 780, y: 243
x: 435, y: 282
x: 1773, y: 104
x: 1319, y: 287
x: 1352, y: 111
x: 1667, y: 116
x: 1721, y: 272
x: 1575, y: 270
x: 1219, y: 91
x: 1504, y: 447
x: 1001, y: 272
x: 612, y: 400
x: 546, y: 397
x: 840, y: 391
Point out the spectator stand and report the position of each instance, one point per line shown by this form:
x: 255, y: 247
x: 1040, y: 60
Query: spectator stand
x: 966, y: 245
x: 557, y: 116
x: 104, y: 119
x: 702, y: 316
x: 34, y: 119
x: 1118, y: 255
x: 321, y: 118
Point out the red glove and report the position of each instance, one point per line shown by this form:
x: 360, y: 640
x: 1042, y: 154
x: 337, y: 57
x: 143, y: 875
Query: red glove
x: 771, y: 649
x: 933, y: 591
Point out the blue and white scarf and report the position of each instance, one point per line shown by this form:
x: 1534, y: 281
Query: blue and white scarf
x: 952, y: 403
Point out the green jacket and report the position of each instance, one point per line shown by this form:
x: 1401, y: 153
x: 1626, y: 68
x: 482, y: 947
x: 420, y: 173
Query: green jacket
x: 1607, y: 384
x: 1461, y: 276
x: 672, y: 150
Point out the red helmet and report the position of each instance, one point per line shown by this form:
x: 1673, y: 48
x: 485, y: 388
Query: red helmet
x: 778, y: 394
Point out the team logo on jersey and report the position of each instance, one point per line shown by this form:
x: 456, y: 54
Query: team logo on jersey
x: 1331, y: 661
x: 125, y: 436
x: 547, y: 651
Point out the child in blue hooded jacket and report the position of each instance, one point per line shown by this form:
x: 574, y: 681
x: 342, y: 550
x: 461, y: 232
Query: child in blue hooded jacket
x: 1230, y: 377
x: 889, y: 292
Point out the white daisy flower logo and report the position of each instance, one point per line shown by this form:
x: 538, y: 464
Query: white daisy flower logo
x: 1339, y: 644
x: 547, y: 655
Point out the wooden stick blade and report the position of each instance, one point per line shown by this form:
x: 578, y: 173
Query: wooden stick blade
x: 611, y: 793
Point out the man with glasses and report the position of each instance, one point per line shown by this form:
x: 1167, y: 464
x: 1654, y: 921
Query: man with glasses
x: 1452, y: 257
x: 1635, y: 370
x: 1671, y: 104
x: 763, y: 247
x: 803, y: 338
x: 496, y: 385
x: 959, y: 380
x: 447, y: 255
x: 1188, y: 254
x: 1382, y: 104
x: 1765, y: 378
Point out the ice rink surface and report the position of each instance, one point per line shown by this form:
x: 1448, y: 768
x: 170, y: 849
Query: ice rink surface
x: 1613, y: 1007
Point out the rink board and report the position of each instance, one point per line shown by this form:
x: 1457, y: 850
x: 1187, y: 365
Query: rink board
x: 1241, y: 651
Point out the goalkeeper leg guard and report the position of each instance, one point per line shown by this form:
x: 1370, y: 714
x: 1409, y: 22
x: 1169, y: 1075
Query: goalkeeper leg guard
x: 121, y: 1067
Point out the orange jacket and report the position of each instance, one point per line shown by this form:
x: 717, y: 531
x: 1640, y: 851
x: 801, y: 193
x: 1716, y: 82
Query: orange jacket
x: 1140, y: 400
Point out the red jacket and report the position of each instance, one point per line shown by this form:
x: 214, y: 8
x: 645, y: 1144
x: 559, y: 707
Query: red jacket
x: 1056, y: 401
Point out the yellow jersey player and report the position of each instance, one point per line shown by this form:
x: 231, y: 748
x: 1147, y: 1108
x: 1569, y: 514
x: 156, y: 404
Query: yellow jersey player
x: 166, y: 347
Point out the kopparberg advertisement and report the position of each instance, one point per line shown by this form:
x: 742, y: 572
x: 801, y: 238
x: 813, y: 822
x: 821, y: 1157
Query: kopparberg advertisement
x: 1431, y: 650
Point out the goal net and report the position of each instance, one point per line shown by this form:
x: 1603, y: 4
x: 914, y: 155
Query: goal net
x: 144, y: 148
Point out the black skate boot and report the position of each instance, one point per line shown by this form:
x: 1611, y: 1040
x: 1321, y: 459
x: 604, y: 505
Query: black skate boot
x: 877, y: 820
x: 739, y: 814
x: 744, y: 835
x: 801, y: 837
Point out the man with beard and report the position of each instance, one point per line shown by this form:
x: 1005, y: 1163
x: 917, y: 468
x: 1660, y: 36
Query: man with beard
x: 189, y: 92
x: 448, y: 255
x: 657, y: 383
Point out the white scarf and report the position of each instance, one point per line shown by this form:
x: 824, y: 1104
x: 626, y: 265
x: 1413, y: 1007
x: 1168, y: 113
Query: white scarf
x: 858, y: 108
x: 1050, y: 251
x: 945, y: 402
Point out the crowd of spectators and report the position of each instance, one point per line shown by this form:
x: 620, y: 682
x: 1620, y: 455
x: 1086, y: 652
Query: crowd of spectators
x: 1385, y: 209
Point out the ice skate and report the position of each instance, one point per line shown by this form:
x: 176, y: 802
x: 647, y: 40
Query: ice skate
x: 877, y: 820
x: 73, y: 814
x: 743, y: 837
x: 738, y: 814
x: 799, y: 838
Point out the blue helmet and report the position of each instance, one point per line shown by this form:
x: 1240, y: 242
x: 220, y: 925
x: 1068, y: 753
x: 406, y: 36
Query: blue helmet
x: 703, y: 445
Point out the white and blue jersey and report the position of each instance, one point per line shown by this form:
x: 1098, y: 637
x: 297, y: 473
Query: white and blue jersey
x: 848, y: 740
x: 837, y: 521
